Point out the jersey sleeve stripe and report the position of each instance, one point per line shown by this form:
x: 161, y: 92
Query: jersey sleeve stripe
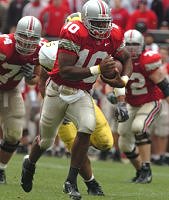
x: 153, y: 66
x: 69, y: 45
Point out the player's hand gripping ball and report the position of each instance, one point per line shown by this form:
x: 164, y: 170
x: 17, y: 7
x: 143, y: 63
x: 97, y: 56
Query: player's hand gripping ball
x: 112, y: 75
x: 117, y: 67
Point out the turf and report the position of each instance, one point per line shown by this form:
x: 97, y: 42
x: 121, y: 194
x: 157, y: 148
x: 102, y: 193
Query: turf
x: 114, y: 178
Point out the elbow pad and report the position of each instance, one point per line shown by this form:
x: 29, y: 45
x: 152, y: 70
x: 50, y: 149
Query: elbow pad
x: 164, y: 86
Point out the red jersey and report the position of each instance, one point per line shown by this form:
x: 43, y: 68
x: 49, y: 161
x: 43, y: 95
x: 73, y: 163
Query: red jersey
x: 140, y: 89
x: 11, y: 62
x: 90, y: 51
x: 148, y: 17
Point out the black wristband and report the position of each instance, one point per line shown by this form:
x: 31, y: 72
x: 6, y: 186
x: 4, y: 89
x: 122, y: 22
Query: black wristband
x: 164, y: 86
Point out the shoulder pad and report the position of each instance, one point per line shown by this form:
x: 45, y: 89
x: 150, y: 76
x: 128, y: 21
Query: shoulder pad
x: 116, y: 33
x: 47, y: 54
x: 151, y: 60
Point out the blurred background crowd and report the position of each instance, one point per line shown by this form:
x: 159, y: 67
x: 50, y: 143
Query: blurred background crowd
x: 151, y: 17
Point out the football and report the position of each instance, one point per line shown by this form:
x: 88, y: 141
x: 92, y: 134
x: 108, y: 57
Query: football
x: 118, y: 66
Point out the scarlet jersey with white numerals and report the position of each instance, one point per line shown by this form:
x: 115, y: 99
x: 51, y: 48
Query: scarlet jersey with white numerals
x: 75, y: 39
x: 140, y: 89
x: 11, y: 61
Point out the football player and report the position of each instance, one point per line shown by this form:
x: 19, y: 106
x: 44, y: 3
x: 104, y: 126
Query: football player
x: 18, y: 60
x: 101, y: 138
x: 85, y: 51
x: 160, y: 129
x: 145, y: 89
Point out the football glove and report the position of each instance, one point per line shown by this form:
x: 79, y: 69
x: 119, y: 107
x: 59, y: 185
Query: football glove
x: 27, y: 71
x: 112, y: 98
x: 121, y: 112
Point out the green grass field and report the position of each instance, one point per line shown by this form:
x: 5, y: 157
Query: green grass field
x: 114, y: 178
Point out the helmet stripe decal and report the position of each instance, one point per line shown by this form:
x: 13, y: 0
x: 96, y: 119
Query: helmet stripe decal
x: 131, y: 33
x: 102, y: 7
x: 31, y: 24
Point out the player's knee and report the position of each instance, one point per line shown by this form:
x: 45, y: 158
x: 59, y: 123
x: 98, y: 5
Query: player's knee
x: 13, y: 135
x: 131, y: 155
x: 125, y: 144
x: 87, y: 128
x: 8, y: 146
x: 108, y: 145
x: 20, y: 114
x: 102, y: 140
x: 67, y: 132
x: 142, y: 138
x: 137, y: 126
x: 86, y: 124
x: 104, y: 145
x: 13, y: 130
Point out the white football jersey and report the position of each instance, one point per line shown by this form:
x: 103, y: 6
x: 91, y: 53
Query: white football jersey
x: 47, y: 54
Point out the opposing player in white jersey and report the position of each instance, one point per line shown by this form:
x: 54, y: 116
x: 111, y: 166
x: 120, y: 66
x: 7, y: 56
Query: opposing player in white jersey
x: 18, y: 60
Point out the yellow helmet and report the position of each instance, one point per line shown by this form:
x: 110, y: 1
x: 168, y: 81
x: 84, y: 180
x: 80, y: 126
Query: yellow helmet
x: 73, y: 17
